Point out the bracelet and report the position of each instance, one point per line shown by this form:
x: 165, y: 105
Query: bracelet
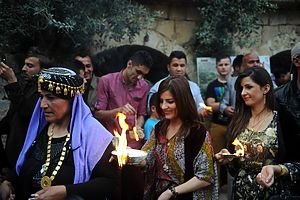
x: 174, y: 193
x: 283, y: 170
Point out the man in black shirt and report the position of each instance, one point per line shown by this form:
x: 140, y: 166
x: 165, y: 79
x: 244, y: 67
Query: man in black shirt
x: 214, y: 94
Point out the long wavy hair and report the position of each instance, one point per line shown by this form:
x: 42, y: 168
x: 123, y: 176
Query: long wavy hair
x: 242, y: 114
x: 179, y: 87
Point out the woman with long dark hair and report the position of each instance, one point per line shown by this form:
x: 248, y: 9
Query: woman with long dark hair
x: 255, y: 126
x: 180, y: 155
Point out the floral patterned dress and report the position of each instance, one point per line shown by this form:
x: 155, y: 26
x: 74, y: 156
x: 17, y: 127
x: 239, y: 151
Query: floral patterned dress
x: 260, y: 149
x: 166, y: 166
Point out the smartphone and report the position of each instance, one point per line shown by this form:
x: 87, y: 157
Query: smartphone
x: 3, y: 58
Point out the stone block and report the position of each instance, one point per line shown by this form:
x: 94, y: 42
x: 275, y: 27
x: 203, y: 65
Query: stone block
x: 192, y: 14
x: 278, y: 19
x: 184, y: 31
x: 293, y: 17
x: 177, y: 13
x: 297, y: 28
x: 166, y: 28
x: 265, y: 20
x: 268, y: 32
x: 164, y: 9
x: 283, y: 29
x: 156, y: 41
x: 264, y: 50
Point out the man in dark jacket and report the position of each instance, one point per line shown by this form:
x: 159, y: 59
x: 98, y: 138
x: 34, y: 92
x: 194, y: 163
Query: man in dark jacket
x: 288, y: 99
x: 22, y: 93
x: 288, y: 106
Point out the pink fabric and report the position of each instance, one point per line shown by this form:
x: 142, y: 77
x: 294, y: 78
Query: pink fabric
x: 113, y: 93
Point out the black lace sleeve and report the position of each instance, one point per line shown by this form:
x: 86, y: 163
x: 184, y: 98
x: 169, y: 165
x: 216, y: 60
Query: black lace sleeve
x: 103, y: 180
x: 291, y: 183
x: 294, y: 171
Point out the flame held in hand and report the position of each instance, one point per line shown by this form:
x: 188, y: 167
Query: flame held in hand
x: 136, y: 136
x: 239, y: 152
x: 121, y: 141
x: 209, y: 108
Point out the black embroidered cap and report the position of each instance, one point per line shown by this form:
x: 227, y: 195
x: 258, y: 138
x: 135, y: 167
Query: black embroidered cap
x: 60, y: 81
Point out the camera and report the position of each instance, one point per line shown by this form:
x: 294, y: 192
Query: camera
x: 3, y: 58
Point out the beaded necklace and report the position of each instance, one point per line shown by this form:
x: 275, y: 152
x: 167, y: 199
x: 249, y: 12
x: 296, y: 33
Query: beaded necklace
x: 46, y: 180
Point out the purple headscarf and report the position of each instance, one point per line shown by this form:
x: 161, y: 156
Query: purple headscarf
x: 89, y: 139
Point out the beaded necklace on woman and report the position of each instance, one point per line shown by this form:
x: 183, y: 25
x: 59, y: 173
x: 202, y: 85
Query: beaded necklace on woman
x: 46, y: 180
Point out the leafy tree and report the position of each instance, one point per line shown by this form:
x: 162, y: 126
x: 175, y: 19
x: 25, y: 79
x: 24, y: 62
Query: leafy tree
x: 60, y: 25
x: 224, y: 21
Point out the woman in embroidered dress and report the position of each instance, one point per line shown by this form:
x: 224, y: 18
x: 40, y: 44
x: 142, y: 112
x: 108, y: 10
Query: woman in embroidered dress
x: 180, y: 156
x: 255, y: 126
x: 66, y: 151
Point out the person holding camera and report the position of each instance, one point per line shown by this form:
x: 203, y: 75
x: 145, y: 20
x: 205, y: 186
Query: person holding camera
x: 22, y: 93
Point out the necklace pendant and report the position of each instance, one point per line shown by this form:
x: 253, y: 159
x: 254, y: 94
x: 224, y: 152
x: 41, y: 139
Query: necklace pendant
x: 45, y: 182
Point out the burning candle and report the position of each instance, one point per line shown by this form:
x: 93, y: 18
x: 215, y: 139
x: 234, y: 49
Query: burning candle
x: 136, y: 136
x: 239, y: 152
x: 121, y: 141
x: 209, y: 108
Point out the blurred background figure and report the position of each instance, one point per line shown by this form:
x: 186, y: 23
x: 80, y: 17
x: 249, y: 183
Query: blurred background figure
x: 228, y: 102
x: 153, y: 117
x: 177, y: 66
x: 23, y: 95
x: 214, y: 95
x: 281, y: 67
x: 236, y: 64
x: 91, y: 80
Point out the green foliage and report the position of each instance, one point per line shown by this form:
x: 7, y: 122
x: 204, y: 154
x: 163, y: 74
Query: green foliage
x: 224, y: 21
x: 61, y: 24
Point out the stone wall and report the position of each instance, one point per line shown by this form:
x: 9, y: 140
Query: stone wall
x: 174, y: 29
x: 279, y: 31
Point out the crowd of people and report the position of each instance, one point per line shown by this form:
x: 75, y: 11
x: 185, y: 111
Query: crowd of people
x: 61, y: 121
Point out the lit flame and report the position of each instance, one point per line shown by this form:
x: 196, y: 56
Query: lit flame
x: 121, y: 143
x: 136, y: 136
x: 121, y: 119
x: 209, y: 108
x: 239, y: 148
